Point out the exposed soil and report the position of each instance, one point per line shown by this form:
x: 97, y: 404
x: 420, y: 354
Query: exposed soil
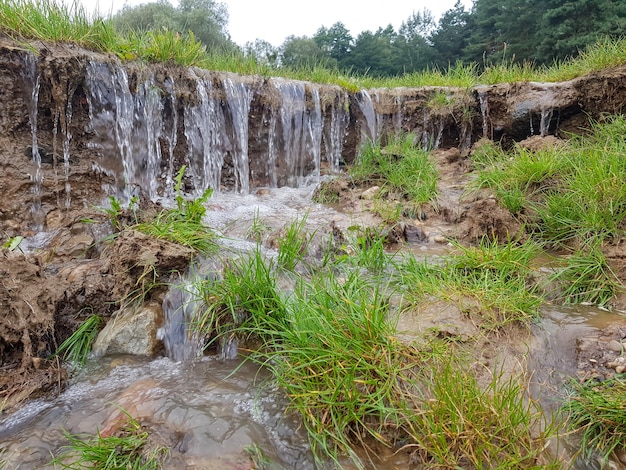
x: 75, y: 269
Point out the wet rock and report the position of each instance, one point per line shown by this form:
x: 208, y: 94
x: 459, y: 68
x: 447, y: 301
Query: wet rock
x: 75, y: 246
x: 132, y: 331
x: 414, y: 234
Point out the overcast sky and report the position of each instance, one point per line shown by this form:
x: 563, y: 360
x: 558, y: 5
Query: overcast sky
x: 274, y: 20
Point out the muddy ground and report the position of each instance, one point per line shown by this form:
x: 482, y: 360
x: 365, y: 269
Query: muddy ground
x: 73, y: 262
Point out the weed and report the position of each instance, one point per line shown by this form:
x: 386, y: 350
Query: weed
x: 293, y: 244
x: 258, y: 229
x: 126, y: 450
x: 596, y: 411
x: 76, y: 348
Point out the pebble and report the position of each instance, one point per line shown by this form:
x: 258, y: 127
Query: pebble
x: 616, y: 346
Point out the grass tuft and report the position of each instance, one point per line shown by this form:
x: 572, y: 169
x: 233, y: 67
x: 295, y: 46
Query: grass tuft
x: 75, y: 349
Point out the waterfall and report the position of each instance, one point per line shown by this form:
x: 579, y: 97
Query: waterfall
x: 111, y: 111
x: 146, y: 146
x: 204, y: 130
x: 170, y: 126
x: 335, y: 132
x: 484, y: 111
x: 238, y: 100
x: 32, y: 80
x: 313, y: 138
x: 544, y: 125
x: 366, y: 106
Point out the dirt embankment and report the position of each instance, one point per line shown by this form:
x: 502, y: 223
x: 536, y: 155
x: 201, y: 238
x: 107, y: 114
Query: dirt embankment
x: 71, y: 270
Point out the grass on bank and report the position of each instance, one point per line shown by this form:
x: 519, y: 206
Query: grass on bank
x: 596, y: 411
x: 76, y: 347
x: 570, y: 197
x: 404, y: 172
x: 55, y: 21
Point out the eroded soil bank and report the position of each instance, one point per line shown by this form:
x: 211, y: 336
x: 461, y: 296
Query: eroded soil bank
x: 68, y: 266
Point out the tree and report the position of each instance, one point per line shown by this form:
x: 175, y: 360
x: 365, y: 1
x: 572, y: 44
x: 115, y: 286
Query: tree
x: 413, y: 48
x: 375, y: 53
x: 262, y: 51
x: 335, y: 41
x: 568, y: 26
x: 301, y: 52
x: 206, y: 18
x: 451, y: 36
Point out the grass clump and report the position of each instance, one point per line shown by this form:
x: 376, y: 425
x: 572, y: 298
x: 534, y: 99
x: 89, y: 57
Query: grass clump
x: 403, y: 170
x: 127, y: 449
x: 75, y: 349
x: 597, y: 412
x: 183, y: 224
x: 293, y: 244
x: 491, y: 281
x: 461, y: 424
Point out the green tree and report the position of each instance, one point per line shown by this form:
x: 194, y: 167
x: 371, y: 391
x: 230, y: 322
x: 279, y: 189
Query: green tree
x: 568, y: 26
x: 206, y: 18
x: 375, y: 53
x: 301, y: 52
x: 451, y: 36
x: 335, y: 41
x: 262, y: 51
x: 413, y: 50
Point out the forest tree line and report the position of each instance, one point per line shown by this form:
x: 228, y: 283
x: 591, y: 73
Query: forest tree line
x: 491, y: 31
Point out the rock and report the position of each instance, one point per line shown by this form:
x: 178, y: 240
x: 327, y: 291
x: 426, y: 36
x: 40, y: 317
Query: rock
x: 616, y: 346
x: 370, y: 193
x: 75, y: 246
x: 414, y: 234
x: 132, y: 331
x: 440, y: 239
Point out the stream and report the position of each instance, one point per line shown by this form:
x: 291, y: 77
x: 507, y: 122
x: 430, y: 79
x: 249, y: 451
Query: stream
x: 213, y: 408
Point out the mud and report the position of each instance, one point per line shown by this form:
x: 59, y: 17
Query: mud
x: 76, y: 263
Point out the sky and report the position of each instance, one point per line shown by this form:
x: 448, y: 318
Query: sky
x: 274, y: 20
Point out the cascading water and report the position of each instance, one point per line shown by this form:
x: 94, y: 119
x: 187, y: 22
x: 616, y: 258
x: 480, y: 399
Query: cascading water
x: 147, y: 128
x: 238, y: 99
x: 204, y: 122
x: 335, y: 131
x: 544, y: 123
x: 170, y: 126
x: 484, y: 111
x: 370, y: 131
x: 111, y: 112
x: 31, y: 84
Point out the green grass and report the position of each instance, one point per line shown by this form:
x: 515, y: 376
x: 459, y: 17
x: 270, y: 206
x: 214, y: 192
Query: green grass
x: 402, y: 169
x: 492, y: 282
x: 128, y: 449
x: 596, y: 412
x: 75, y: 349
x: 293, y: 244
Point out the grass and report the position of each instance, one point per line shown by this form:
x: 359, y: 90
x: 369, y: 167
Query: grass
x: 75, y: 349
x: 128, y: 450
x: 332, y: 347
x: 596, y: 411
x: 492, y: 282
x: 293, y: 244
x: 402, y: 169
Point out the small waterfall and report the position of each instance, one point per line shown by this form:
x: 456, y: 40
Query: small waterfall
x: 204, y: 130
x: 544, y: 124
x: 484, y: 111
x: 238, y: 100
x: 335, y: 132
x: 366, y: 106
x: 31, y: 87
x: 146, y: 146
x: 66, y: 121
x: 298, y: 150
x: 180, y: 307
x: 170, y: 126
x: 313, y: 137
x: 111, y: 112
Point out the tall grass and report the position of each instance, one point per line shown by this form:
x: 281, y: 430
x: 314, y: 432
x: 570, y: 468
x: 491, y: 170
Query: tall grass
x: 57, y: 21
x: 596, y: 412
x: 77, y: 346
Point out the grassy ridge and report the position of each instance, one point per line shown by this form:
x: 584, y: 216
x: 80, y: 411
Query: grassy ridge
x: 54, y: 21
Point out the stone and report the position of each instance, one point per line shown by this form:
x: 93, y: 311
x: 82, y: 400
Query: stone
x: 370, y: 193
x: 132, y: 331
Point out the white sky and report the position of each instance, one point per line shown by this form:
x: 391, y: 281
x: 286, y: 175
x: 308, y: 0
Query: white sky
x: 274, y: 20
